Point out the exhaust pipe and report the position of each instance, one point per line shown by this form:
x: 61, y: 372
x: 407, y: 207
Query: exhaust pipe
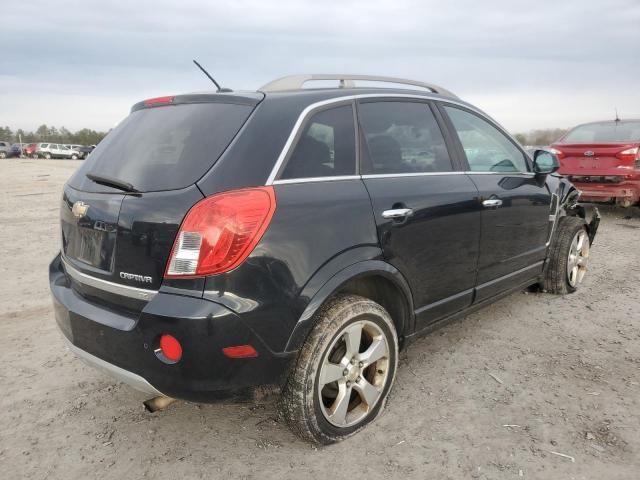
x: 158, y: 403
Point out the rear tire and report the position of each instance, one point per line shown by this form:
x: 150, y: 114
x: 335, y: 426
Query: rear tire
x: 47, y: 156
x: 568, y: 256
x: 343, y: 373
x: 3, y: 155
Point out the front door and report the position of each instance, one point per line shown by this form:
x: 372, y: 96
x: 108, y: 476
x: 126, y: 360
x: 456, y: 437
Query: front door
x: 514, y: 204
x: 425, y: 206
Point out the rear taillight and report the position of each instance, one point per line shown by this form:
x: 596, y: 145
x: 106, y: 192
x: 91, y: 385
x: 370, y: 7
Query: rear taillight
x: 220, y: 232
x: 557, y: 153
x: 630, y: 155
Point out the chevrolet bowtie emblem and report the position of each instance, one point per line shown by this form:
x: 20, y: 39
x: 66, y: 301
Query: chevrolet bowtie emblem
x: 79, y: 209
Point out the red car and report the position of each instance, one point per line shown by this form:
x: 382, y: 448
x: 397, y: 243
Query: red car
x: 30, y: 150
x: 602, y: 159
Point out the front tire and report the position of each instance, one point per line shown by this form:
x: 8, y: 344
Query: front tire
x: 344, y: 371
x: 568, y: 257
x: 47, y: 156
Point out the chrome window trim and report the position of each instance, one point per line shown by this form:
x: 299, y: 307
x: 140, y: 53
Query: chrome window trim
x: 416, y: 174
x: 509, y: 174
x: 316, y: 179
x: 314, y: 106
x: 394, y: 175
x: 107, y: 286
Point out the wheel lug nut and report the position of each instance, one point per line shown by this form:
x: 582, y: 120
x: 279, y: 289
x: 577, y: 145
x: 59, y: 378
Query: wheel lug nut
x: 360, y: 364
x: 348, y: 384
x: 345, y: 372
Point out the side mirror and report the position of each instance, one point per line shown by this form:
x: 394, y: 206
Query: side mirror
x: 545, y: 162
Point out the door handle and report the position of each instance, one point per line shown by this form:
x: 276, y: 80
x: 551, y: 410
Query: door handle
x: 397, y: 213
x: 492, y: 202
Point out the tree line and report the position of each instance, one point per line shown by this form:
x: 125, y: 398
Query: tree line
x: 541, y: 137
x: 44, y: 133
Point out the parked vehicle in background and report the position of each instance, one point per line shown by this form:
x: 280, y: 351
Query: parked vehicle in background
x: 85, y: 151
x: 301, y: 237
x: 29, y: 150
x: 74, y: 147
x: 602, y: 159
x: 5, y: 149
x: 56, y: 150
x: 16, y: 149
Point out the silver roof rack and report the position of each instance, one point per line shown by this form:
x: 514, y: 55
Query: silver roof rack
x: 296, y: 82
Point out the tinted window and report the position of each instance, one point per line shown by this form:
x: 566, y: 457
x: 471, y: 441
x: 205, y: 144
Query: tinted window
x: 165, y: 148
x: 605, y: 132
x: 402, y: 137
x: 487, y: 148
x: 326, y: 147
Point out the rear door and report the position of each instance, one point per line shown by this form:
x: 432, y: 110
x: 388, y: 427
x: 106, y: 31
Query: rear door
x: 514, y: 203
x: 424, y: 206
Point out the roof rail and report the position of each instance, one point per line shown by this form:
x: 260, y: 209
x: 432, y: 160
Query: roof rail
x: 296, y: 82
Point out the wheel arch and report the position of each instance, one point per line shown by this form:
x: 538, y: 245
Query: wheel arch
x: 373, y: 279
x: 571, y: 207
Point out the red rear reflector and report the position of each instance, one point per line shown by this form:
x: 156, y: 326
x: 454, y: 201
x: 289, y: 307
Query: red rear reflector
x: 240, y: 351
x: 158, y: 101
x: 170, y: 347
x: 220, y: 232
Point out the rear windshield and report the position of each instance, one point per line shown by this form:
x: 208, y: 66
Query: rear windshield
x: 166, y: 148
x: 606, y: 132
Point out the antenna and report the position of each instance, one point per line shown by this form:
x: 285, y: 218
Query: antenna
x: 220, y: 89
x: 617, y: 117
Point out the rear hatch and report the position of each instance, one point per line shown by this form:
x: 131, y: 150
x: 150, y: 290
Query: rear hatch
x: 600, y: 149
x: 122, y: 209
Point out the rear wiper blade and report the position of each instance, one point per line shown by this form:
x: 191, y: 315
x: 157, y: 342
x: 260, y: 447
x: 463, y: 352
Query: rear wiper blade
x: 112, y: 182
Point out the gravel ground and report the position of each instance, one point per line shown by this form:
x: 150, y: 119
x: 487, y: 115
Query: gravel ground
x: 492, y: 396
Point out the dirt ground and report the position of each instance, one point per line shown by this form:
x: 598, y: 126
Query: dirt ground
x: 490, y: 397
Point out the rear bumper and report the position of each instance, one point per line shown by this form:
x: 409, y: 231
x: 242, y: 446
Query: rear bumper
x: 627, y: 192
x: 123, y: 344
x: 120, y: 374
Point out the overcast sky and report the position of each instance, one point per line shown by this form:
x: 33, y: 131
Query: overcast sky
x: 532, y: 64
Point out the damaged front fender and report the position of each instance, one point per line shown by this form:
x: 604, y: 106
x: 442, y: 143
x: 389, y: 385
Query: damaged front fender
x: 570, y: 206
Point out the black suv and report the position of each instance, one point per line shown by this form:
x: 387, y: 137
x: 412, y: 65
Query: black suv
x: 300, y: 237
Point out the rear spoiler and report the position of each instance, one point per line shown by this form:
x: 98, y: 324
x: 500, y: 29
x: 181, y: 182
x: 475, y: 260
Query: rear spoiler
x: 250, y: 99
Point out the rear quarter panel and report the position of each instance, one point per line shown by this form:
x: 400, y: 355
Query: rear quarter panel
x: 314, y: 223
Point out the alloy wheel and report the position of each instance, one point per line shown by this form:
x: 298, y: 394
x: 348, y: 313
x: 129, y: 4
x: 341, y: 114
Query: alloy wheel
x: 578, y: 258
x: 354, y: 373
